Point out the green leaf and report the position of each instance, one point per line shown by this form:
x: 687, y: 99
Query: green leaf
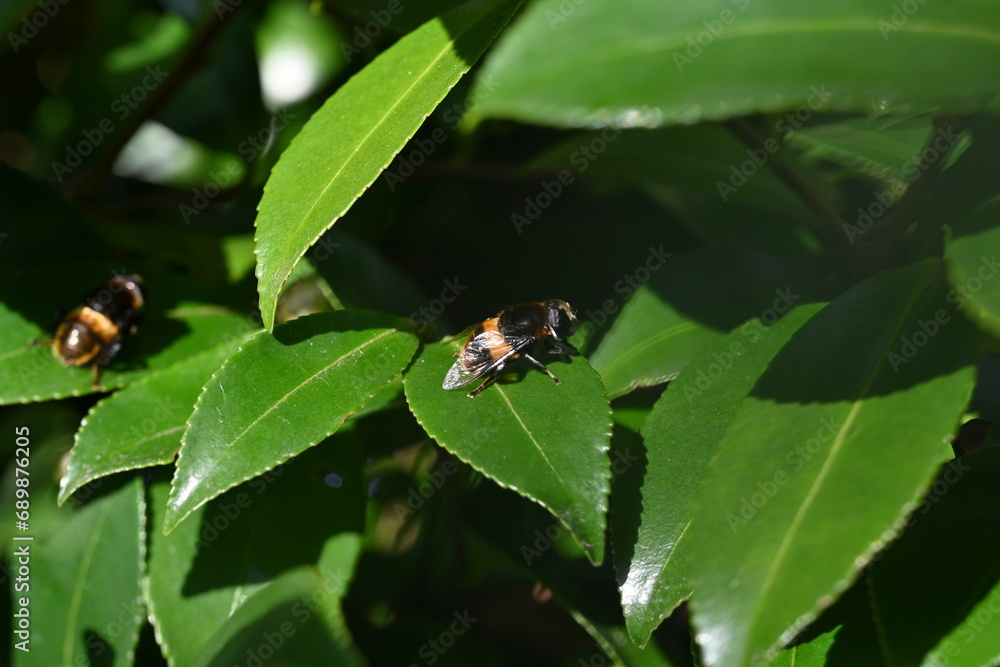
x: 648, y: 344
x: 833, y: 447
x: 689, y: 171
x: 85, y: 584
x: 174, y: 329
x: 354, y: 136
x: 140, y: 425
x: 293, y: 621
x: 547, y: 442
x: 955, y: 524
x: 646, y: 64
x: 973, y: 265
x: 845, y: 634
x: 681, y: 436
x: 688, y: 305
x: 886, y: 149
x: 282, y: 393
x: 224, y: 552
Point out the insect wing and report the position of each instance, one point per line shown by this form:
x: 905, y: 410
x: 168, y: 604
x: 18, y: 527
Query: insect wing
x: 474, y: 361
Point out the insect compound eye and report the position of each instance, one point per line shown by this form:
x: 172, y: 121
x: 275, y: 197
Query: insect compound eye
x: 562, y: 322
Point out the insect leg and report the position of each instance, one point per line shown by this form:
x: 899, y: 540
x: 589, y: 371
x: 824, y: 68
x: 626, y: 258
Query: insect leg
x: 564, y: 349
x: 487, y: 382
x: 542, y: 366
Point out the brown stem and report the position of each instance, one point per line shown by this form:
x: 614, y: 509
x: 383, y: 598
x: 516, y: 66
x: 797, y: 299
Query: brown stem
x: 831, y: 224
x: 93, y: 180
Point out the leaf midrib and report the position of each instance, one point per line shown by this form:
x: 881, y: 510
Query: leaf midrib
x: 781, y: 552
x: 531, y: 437
x: 76, y: 601
x: 309, y: 380
x: 651, y: 341
x: 406, y: 94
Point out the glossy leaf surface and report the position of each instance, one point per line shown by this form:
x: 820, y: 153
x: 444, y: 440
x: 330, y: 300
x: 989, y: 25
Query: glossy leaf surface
x: 354, y: 136
x: 142, y: 424
x: 834, y: 445
x: 647, y: 64
x: 282, y: 393
x: 680, y: 437
x: 508, y: 433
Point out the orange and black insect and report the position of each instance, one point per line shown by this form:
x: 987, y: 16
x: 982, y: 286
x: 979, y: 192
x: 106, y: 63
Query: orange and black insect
x: 514, y: 333
x: 92, y: 332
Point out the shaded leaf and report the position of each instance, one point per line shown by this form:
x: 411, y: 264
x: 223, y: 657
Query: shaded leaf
x: 40, y: 215
x: 886, y: 149
x: 546, y: 442
x: 362, y: 278
x: 845, y: 635
x: 224, y: 554
x: 354, y: 136
x: 833, y: 447
x: 85, y: 584
x: 689, y: 171
x: 688, y: 305
x: 954, y: 530
x: 282, y: 393
x: 681, y: 436
x: 294, y: 620
x: 142, y: 424
x: 973, y: 265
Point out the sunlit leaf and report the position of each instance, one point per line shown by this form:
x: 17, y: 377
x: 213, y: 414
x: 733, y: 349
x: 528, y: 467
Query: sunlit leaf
x: 282, y: 393
x: 649, y: 64
x: 548, y: 442
x: 348, y: 142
